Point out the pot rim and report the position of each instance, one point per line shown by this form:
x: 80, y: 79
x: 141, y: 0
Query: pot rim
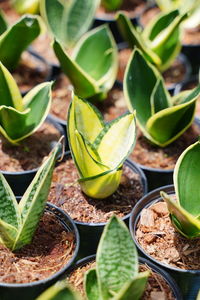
x: 63, y: 269
x: 135, y: 214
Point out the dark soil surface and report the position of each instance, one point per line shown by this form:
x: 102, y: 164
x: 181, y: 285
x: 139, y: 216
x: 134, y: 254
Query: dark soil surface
x: 51, y: 249
x: 157, y: 287
x: 165, y: 158
x: 159, y: 239
x: 31, y: 151
x: 66, y: 193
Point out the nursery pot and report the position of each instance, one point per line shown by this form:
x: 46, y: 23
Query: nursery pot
x: 188, y: 280
x: 90, y: 233
x: 32, y: 290
x: 19, y: 181
x: 171, y: 282
x: 193, y: 54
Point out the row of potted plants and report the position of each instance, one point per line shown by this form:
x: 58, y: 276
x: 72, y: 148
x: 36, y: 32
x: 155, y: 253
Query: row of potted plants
x: 95, y: 180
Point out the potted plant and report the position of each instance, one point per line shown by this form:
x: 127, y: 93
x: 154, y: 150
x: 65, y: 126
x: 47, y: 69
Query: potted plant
x: 162, y: 120
x: 173, y: 243
x: 94, y: 185
x: 36, y: 247
x: 27, y: 68
x: 121, y: 277
x: 25, y: 140
x: 159, y: 41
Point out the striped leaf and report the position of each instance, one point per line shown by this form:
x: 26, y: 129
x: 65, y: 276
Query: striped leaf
x: 96, y: 48
x: 8, y: 234
x: 17, y: 38
x: 91, y: 285
x: 68, y: 20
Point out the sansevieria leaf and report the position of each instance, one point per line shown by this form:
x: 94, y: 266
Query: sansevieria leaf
x: 185, y: 209
x: 92, y: 68
x: 111, y: 4
x: 18, y: 222
x: 162, y: 118
x: 98, y: 149
x: 17, y: 38
x: 19, y: 117
x: 3, y: 22
x: 26, y: 6
x: 68, y: 20
x: 91, y: 285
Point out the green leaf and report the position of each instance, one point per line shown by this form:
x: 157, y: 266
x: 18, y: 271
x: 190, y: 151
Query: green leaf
x: 17, y: 38
x: 3, y: 22
x: 68, y: 20
x: 59, y: 291
x: 186, y: 179
x: 159, y: 97
x: 184, y: 222
x: 133, y: 289
x: 9, y: 93
x: 112, y: 5
x: 33, y: 201
x: 98, y: 48
x: 8, y: 234
x: 91, y: 285
x: 117, y: 261
x: 26, y: 6
x: 16, y: 125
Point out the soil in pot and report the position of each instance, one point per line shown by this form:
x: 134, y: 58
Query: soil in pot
x: 157, y: 287
x: 131, y: 7
x: 51, y: 249
x: 159, y: 239
x: 175, y: 74
x: 112, y: 107
x: 66, y: 193
x: 152, y: 156
x: 31, y: 151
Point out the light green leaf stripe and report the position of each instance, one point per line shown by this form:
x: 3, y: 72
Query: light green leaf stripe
x: 91, y: 285
x: 8, y: 234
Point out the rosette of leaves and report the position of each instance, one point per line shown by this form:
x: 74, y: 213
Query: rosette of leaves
x: 18, y: 222
x: 160, y: 41
x: 26, y: 6
x: 68, y: 20
x: 161, y: 117
x: 111, y: 5
x: 185, y: 209
x: 98, y: 149
x: 116, y: 275
x: 92, y: 68
x: 14, y: 39
x: 20, y: 117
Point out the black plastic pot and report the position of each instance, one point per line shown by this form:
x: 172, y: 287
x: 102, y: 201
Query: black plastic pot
x: 193, y: 54
x: 19, y: 181
x: 183, y: 86
x: 188, y: 280
x: 31, y: 290
x: 155, y: 268
x: 90, y: 233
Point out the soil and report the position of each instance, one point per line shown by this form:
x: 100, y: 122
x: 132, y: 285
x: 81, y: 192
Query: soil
x: 175, y: 74
x: 131, y: 7
x: 30, y: 72
x: 66, y: 193
x: 157, y: 287
x: 51, y: 249
x: 157, y: 236
x: 31, y: 151
x: 165, y: 158
x: 112, y: 107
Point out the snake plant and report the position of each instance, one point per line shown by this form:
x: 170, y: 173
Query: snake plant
x: 185, y: 210
x: 14, y: 39
x: 18, y: 222
x: 93, y: 66
x: 160, y: 41
x: 116, y: 274
x: 111, y: 5
x: 68, y: 20
x: 98, y: 149
x: 20, y: 117
x: 26, y: 6
x: 161, y: 117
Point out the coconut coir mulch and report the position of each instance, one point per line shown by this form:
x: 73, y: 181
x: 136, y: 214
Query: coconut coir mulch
x: 51, y: 249
x: 66, y: 193
x: 165, y: 158
x: 157, y: 287
x: 31, y: 151
x: 160, y: 240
